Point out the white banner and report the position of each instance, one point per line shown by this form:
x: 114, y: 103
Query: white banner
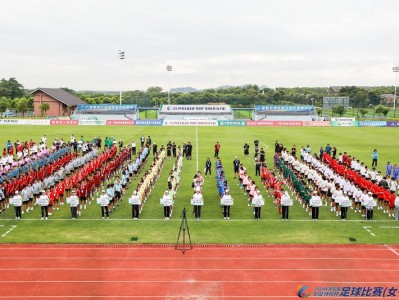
x: 258, y: 202
x: 227, y: 202
x: 197, y: 202
x: 24, y: 122
x: 286, y: 201
x: 135, y: 201
x: 190, y: 109
x: 343, y: 119
x: 92, y: 122
x: 189, y: 123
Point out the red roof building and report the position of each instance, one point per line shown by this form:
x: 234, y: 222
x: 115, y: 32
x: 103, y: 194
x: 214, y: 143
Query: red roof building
x: 61, y: 102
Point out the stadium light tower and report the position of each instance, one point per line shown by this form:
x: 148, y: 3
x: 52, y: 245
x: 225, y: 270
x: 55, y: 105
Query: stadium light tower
x: 121, y: 56
x: 169, y: 70
x: 396, y: 70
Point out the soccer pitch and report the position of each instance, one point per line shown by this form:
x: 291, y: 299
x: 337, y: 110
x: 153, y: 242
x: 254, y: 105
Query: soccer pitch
x: 242, y: 227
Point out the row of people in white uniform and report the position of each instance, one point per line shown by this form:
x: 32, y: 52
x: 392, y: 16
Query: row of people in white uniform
x: 328, y: 182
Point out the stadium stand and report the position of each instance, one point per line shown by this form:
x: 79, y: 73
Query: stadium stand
x: 284, y: 113
x: 105, y: 112
x: 196, y: 112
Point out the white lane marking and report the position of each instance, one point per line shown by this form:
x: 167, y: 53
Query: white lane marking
x: 392, y: 250
x: 368, y: 230
x: 9, y: 230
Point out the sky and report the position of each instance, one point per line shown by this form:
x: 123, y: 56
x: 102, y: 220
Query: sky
x: 284, y: 43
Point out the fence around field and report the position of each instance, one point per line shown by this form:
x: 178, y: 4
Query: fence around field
x: 335, y: 122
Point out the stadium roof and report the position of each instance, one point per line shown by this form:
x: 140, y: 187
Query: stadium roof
x: 61, y: 95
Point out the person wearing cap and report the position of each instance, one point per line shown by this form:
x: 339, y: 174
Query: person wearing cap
x: 103, y: 200
x: 315, y: 203
x: 17, y: 202
x: 43, y: 201
x: 226, y: 202
x: 286, y: 202
x: 167, y: 203
x: 73, y: 201
x: 197, y: 198
x: 134, y: 200
x: 344, y: 203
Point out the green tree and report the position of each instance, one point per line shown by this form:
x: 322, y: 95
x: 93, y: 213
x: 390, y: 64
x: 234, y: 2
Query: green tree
x: 363, y: 111
x: 22, y: 106
x: 44, y: 107
x: 4, y: 103
x: 11, y: 88
x: 339, y: 110
x: 381, y: 110
x: 385, y: 111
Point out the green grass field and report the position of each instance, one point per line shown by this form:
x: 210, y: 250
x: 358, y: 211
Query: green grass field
x: 242, y: 228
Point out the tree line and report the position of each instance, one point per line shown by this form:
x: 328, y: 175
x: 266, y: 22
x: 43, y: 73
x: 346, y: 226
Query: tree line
x: 14, y: 96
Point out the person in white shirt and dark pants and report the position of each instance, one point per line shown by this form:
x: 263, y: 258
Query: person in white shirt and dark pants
x: 43, y: 201
x: 17, y: 202
x: 315, y: 202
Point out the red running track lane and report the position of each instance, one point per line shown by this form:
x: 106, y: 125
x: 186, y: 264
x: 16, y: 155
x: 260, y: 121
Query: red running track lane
x: 206, y: 272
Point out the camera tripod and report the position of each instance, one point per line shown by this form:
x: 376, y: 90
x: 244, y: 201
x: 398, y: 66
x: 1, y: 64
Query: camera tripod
x: 184, y: 227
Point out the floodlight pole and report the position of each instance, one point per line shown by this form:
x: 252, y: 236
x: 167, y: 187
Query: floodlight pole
x: 396, y: 70
x: 169, y: 70
x: 121, y: 56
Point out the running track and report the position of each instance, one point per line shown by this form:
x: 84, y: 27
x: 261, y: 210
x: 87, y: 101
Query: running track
x: 206, y: 272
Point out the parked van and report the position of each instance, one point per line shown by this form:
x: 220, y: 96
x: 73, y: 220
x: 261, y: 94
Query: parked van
x: 9, y: 113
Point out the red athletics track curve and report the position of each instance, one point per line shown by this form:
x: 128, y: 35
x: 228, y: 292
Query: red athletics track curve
x: 206, y: 272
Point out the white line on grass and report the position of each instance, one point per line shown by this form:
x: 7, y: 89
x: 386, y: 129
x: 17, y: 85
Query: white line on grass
x: 9, y: 230
x: 368, y: 230
x: 389, y: 227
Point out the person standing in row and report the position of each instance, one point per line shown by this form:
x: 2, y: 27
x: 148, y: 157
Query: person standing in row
x: 103, y: 200
x: 236, y: 164
x: 208, y: 165
x: 17, y: 202
x: 217, y: 148
x: 344, y: 203
x: 43, y: 201
x: 135, y: 202
x: 258, y: 164
x: 369, y: 204
x: 226, y: 202
x: 396, y: 204
x: 198, y: 201
x: 133, y: 148
x: 286, y: 202
x: 246, y: 151
x: 257, y: 202
x: 167, y: 202
x: 73, y: 201
x: 315, y: 202
x: 262, y: 155
x: 374, y: 156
